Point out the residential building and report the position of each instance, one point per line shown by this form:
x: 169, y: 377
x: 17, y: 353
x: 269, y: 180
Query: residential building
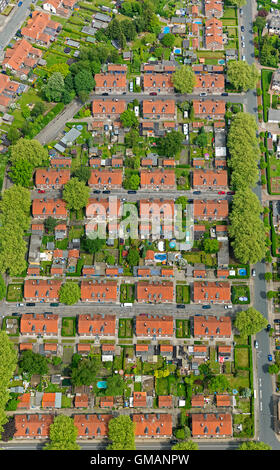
x: 41, y: 290
x: 214, y: 34
x: 148, y: 325
x: 108, y: 109
x: 154, y: 292
x: 8, y: 91
x: 210, y: 209
x: 39, y: 323
x: 59, y: 7
x: 165, y: 401
x: 96, y: 324
x: 140, y: 399
x: 210, y: 109
x: 158, y: 179
x: 211, y: 326
x: 164, y: 66
x: 209, y: 83
x: 51, y: 178
x: 211, y: 292
x: 159, y: 109
x: 40, y: 28
x: 33, y: 426
x: 213, y: 8
x: 153, y: 425
x: 210, y: 179
x: 110, y: 82
x: 158, y: 82
x: 274, y: 25
x: 92, y: 426
x: 44, y: 208
x: 211, y: 425
x: 21, y: 58
x: 110, y: 179
x: 275, y: 81
x: 223, y: 400
x: 99, y: 291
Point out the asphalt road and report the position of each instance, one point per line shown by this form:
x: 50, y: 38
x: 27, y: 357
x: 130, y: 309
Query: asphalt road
x: 14, y: 23
x: 264, y: 384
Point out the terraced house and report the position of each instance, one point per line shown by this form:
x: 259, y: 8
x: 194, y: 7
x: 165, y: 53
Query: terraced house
x: 21, y: 58
x: 95, y: 324
x: 47, y: 178
x: 110, y: 82
x: 41, y: 29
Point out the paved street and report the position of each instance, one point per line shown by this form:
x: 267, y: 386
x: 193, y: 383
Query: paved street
x: 13, y: 23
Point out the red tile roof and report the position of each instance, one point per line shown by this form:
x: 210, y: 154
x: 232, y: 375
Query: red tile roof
x: 223, y: 400
x: 217, y: 209
x: 159, y: 107
x: 25, y: 346
x: 158, y: 177
x: 95, y: 291
x: 209, y: 81
x: 211, y: 291
x: 48, y: 400
x: 150, y: 325
x: 106, y: 402
x: 94, y: 324
x: 16, y: 57
x: 44, y: 289
x: 49, y: 208
x: 24, y: 401
x: 213, y: 5
x: 209, y: 108
x: 33, y: 425
x: 108, y: 107
x: 110, y: 80
x: 153, y: 425
x: 157, y: 80
x: 139, y: 399
x: 206, y: 425
x: 197, y: 400
x: 165, y: 401
x: 213, y: 32
x: 155, y: 291
x: 36, y: 26
x: 210, y: 178
x: 212, y: 326
x: 51, y: 177
x: 81, y: 401
x: 39, y: 323
x: 92, y: 425
x: 113, y: 177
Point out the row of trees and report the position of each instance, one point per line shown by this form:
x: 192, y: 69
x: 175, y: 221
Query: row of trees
x: 246, y: 227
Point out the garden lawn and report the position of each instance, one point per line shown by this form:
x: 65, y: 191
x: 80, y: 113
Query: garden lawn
x: 14, y: 293
x: 241, y: 357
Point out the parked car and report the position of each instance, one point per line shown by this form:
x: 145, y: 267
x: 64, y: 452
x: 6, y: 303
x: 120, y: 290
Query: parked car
x: 206, y: 306
x: 269, y: 357
x: 228, y: 306
x: 224, y: 94
x: 106, y: 191
x: 19, y: 4
x: 30, y: 304
x: 242, y: 29
x: 253, y: 272
x: 221, y: 192
x: 256, y: 344
x: 242, y: 38
x: 131, y: 192
x: 268, y: 327
x: 230, y: 193
x: 97, y: 191
x: 105, y: 94
x: 55, y: 304
x: 153, y: 93
x: 15, y: 314
x: 20, y: 305
x: 197, y: 192
x: 203, y: 93
x: 243, y: 58
x: 243, y: 44
x: 41, y: 191
x: 180, y: 306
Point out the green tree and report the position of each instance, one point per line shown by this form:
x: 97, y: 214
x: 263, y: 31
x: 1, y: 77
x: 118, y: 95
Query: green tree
x: 242, y: 75
x: 115, y: 385
x: 219, y: 383
x: 33, y: 363
x: 171, y: 143
x: 84, y: 81
x: 76, y: 194
x: 249, y: 322
x: 183, y: 79
x: 38, y: 109
x: 54, y: 88
x: 93, y: 245
x: 29, y: 150
x: 185, y: 445
x: 273, y: 369
x: 121, y: 433
x: 85, y: 371
x: 133, y: 257
x: 254, y: 445
x: 2, y: 288
x: 83, y: 173
x: 8, y: 361
x: 268, y: 276
x: 63, y: 69
x: 69, y: 293
x: 129, y: 119
x: 260, y: 23
x: 238, y: 3
x: 21, y: 173
x: 201, y: 139
x: 168, y: 40
x: 131, y: 182
x: 63, y: 434
x: 15, y: 207
x: 50, y: 223
x: 211, y: 245
x: 13, y: 135
x: 12, y: 250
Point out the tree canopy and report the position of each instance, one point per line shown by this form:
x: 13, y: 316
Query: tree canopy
x: 33, y: 363
x: 249, y: 322
x: 185, y: 445
x: 83, y: 371
x: 76, y: 194
x: 30, y: 150
x: 242, y: 76
x: 254, y: 445
x: 121, y: 433
x: 183, y: 79
x: 63, y: 434
x: 8, y: 363
x: 69, y: 293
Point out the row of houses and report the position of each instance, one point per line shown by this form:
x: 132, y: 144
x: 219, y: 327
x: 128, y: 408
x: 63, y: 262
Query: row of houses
x: 49, y: 178
x: 148, y: 425
x: 159, y: 109
x: 146, y: 325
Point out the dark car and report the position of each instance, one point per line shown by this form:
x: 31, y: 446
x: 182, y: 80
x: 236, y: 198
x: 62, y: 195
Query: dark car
x: 224, y: 94
x: 131, y: 192
x: 106, y: 191
x: 153, y: 93
x: 277, y: 320
x: 197, y: 192
x: 105, y: 94
x: 15, y: 314
x: 190, y: 201
x: 269, y: 357
x: 55, y: 304
x: 242, y: 29
x: 230, y: 193
x: 30, y: 304
x: 97, y: 191
x: 181, y: 306
x: 124, y: 93
x: 206, y: 306
x: 268, y: 327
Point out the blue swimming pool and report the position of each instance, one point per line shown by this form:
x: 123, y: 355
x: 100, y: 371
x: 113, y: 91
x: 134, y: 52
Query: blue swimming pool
x: 177, y: 50
x: 221, y: 62
x: 242, y: 272
x: 160, y: 257
x: 101, y: 384
x: 166, y: 29
x: 197, y: 21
